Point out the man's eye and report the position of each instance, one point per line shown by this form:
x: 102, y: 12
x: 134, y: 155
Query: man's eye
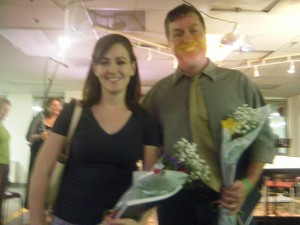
x: 177, y: 34
x: 121, y: 62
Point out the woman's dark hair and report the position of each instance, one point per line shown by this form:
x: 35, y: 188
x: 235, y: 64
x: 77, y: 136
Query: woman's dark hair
x: 92, y: 89
x: 178, y: 12
x: 48, y: 103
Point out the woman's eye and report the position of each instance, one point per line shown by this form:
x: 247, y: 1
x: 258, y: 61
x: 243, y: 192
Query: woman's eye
x: 103, y: 62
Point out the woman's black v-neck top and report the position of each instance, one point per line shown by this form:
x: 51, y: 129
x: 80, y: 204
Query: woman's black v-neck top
x: 100, y: 165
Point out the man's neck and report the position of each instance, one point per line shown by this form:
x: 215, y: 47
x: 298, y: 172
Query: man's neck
x: 192, y: 70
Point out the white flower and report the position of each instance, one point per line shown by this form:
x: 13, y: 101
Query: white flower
x: 185, y: 158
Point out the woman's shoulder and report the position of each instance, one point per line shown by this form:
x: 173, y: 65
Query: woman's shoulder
x: 145, y: 116
x: 142, y: 112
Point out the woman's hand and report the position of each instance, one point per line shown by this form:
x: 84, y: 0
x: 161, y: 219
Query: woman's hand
x: 234, y: 196
x: 44, y: 135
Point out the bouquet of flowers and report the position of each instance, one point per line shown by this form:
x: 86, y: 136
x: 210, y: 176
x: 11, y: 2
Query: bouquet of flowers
x: 239, y: 130
x: 172, y: 171
x: 184, y: 158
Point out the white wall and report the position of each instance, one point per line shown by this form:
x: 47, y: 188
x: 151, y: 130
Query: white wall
x: 17, y: 122
x: 72, y: 94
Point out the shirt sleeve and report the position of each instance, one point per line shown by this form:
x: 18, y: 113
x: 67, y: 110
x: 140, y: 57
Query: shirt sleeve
x: 262, y: 149
x: 148, y: 101
x: 33, y: 127
x: 151, y: 130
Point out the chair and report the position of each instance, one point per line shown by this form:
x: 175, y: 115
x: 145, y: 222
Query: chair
x: 8, y: 195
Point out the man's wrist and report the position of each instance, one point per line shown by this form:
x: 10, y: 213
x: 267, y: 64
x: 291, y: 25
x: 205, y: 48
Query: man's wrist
x: 248, y: 184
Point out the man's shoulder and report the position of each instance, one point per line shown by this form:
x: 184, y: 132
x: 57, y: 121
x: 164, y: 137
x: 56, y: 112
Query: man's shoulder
x: 227, y: 74
x: 168, y: 80
x: 164, y: 84
x: 229, y: 71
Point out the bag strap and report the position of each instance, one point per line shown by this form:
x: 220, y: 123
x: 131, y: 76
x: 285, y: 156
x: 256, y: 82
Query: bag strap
x: 63, y: 156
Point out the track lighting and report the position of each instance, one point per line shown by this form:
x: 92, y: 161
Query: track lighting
x: 149, y: 57
x: 292, y: 68
x: 175, y: 63
x: 256, y: 72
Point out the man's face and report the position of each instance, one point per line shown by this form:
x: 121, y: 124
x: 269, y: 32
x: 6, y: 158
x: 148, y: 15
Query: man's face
x: 187, y: 39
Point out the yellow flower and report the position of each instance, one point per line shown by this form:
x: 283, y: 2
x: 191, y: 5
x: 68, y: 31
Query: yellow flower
x: 231, y: 124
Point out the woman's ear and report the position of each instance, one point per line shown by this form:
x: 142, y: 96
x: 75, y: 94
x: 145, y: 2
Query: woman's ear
x: 133, y: 66
x: 94, y: 67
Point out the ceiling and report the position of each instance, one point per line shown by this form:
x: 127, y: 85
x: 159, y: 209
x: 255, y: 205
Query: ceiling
x: 31, y: 60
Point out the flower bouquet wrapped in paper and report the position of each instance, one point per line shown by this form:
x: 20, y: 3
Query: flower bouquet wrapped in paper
x: 147, y: 192
x: 172, y: 171
x: 239, y: 131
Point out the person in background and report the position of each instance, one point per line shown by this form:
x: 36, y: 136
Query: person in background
x: 39, y: 130
x: 113, y: 133
x: 4, y: 151
x: 223, y: 91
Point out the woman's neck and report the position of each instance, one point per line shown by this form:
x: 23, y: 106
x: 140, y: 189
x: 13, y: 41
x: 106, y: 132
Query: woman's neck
x: 49, y: 121
x: 109, y: 100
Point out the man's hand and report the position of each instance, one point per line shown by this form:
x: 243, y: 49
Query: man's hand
x: 234, y: 196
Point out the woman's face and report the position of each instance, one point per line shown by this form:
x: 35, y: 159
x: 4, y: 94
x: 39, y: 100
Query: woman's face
x: 55, y: 107
x: 114, y: 70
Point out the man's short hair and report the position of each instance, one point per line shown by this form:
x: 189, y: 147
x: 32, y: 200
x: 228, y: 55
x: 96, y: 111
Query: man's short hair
x: 178, y: 12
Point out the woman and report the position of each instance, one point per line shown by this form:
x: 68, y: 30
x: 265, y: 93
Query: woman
x: 4, y: 151
x: 39, y: 130
x: 113, y: 133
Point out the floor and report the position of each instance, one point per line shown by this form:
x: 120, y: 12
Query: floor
x: 13, y: 211
x: 14, y: 214
x: 17, y: 215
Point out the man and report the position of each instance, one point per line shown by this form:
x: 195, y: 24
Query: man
x: 223, y: 91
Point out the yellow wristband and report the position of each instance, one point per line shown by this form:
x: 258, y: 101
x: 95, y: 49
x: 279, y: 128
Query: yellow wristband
x: 248, y: 184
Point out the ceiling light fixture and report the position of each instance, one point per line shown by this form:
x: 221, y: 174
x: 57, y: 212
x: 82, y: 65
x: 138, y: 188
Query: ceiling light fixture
x: 64, y: 42
x: 231, y: 37
x: 291, y: 69
x: 237, y: 41
x: 256, y: 72
x: 149, y: 57
x: 175, y: 63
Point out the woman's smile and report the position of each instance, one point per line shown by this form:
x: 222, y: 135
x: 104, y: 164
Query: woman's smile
x: 114, y: 78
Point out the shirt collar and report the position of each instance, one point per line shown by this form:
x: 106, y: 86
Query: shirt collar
x: 209, y: 70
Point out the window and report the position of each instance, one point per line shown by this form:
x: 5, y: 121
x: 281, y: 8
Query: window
x: 279, y: 125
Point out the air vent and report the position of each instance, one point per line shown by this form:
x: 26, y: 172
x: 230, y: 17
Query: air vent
x: 120, y: 20
x: 244, y: 5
